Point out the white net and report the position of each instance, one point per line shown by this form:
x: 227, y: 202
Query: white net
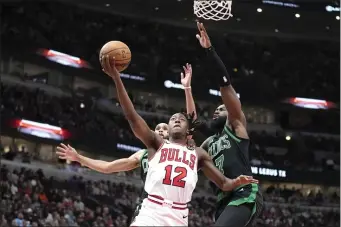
x: 213, y: 10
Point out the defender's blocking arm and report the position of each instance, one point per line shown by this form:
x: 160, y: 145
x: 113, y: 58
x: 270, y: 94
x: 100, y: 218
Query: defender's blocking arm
x: 223, y: 79
x: 120, y: 165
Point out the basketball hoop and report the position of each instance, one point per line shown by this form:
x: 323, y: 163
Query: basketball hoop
x: 213, y: 10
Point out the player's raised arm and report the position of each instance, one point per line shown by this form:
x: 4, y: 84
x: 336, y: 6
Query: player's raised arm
x: 137, y: 124
x: 186, y: 78
x: 120, y: 165
x: 214, y: 175
x: 223, y: 79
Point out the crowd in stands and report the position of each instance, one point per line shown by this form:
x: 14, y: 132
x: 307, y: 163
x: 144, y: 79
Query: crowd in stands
x: 274, y: 66
x: 279, y: 140
x: 37, y: 105
x: 32, y: 199
x: 305, y: 144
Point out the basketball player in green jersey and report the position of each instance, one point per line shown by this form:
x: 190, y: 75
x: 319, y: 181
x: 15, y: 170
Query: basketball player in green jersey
x: 138, y: 159
x: 229, y: 147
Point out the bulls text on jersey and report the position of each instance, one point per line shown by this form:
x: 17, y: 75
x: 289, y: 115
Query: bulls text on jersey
x: 172, y: 173
x: 172, y: 154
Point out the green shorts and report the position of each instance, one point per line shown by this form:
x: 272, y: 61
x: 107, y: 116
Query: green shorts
x: 244, y: 194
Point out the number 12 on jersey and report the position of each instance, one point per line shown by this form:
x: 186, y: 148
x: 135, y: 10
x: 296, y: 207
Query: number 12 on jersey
x: 178, y: 179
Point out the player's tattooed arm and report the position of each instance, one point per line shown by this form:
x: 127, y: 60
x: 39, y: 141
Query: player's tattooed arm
x: 120, y: 165
x: 186, y: 78
x: 223, y: 79
x: 214, y: 175
x: 138, y: 125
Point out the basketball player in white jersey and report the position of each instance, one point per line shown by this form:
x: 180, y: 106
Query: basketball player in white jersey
x: 138, y: 159
x: 172, y: 173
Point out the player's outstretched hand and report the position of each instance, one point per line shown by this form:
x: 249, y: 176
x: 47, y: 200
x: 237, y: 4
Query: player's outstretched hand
x: 108, y: 65
x: 242, y: 179
x: 187, y: 76
x: 67, y: 152
x: 203, y: 38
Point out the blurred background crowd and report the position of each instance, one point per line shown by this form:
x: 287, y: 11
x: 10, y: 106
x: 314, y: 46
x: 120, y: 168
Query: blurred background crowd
x: 37, y: 189
x: 71, y: 113
x: 29, y: 198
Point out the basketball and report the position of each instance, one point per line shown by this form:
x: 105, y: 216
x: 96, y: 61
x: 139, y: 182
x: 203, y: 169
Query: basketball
x: 120, y: 51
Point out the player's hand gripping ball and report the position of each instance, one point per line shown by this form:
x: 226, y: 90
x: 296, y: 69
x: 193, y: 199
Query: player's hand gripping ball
x: 118, y: 50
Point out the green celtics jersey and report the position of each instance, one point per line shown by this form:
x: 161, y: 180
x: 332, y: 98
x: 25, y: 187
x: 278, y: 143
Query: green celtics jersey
x: 144, y: 165
x: 144, y: 170
x: 230, y: 155
x: 144, y: 194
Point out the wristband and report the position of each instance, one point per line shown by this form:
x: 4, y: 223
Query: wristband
x: 185, y: 88
x: 224, y: 82
x: 210, y: 49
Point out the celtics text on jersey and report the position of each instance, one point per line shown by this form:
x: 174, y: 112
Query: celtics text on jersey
x: 230, y: 155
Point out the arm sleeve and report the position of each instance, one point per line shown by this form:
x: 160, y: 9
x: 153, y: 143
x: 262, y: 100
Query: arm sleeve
x: 222, y: 77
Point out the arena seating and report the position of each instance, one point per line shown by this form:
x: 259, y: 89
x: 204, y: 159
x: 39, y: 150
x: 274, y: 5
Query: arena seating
x: 28, y: 198
x: 21, y: 102
x: 275, y: 66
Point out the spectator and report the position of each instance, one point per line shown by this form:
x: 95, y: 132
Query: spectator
x: 65, y: 207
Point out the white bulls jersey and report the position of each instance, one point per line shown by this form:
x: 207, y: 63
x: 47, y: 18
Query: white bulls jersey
x: 172, y: 173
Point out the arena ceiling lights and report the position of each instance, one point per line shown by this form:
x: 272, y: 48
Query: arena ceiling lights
x: 280, y: 3
x: 63, y: 59
x: 312, y: 5
x: 41, y: 130
x: 170, y: 84
x: 311, y: 103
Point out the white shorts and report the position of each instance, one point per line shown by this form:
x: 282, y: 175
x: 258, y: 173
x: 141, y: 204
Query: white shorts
x: 162, y: 214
